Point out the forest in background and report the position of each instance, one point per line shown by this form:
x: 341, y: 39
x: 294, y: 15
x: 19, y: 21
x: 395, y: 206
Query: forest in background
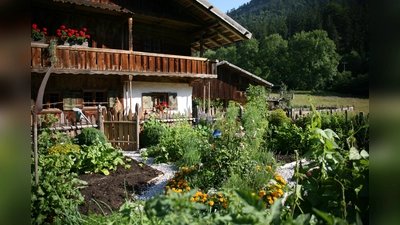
x: 320, y: 45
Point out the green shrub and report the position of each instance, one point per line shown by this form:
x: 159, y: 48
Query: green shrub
x: 89, y: 135
x: 152, y: 132
x: 278, y: 117
x: 56, y: 197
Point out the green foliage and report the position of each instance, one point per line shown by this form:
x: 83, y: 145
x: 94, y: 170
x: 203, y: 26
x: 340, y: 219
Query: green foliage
x: 333, y: 172
x: 56, y: 197
x: 278, y: 118
x: 98, y: 157
x: 152, y: 132
x: 176, y: 142
x: 89, y: 135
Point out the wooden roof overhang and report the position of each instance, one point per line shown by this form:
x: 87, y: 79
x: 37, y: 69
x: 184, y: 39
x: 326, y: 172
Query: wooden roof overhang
x: 244, y: 73
x: 207, y: 26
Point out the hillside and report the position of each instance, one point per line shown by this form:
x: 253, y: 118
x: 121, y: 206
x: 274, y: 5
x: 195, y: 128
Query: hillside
x: 281, y: 27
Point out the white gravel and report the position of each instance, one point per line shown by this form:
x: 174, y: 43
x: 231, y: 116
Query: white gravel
x: 158, y: 184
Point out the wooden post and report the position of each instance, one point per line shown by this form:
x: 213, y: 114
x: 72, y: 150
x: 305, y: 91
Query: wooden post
x: 137, y: 119
x: 100, y: 116
x: 204, y: 96
x: 130, y: 28
x: 209, y: 98
x: 345, y: 113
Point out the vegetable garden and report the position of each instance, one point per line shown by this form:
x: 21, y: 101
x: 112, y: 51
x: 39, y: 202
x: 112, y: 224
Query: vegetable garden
x: 226, y: 171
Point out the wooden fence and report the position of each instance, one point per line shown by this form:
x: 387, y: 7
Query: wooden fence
x: 121, y: 130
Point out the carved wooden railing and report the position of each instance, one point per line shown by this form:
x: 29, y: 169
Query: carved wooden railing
x: 122, y: 62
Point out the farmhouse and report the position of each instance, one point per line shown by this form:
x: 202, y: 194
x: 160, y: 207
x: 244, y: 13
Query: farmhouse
x: 139, y: 52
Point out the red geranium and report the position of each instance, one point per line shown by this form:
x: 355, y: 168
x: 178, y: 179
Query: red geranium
x: 36, y: 33
x: 161, y: 106
x: 71, y: 35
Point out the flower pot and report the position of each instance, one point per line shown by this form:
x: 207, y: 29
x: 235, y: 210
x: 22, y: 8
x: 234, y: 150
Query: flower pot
x: 41, y: 41
x: 76, y: 44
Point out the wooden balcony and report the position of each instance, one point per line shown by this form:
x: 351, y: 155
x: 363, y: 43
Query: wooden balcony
x: 87, y: 60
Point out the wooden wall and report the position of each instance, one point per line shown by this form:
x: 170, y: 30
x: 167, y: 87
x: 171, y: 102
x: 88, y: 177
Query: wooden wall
x: 224, y: 87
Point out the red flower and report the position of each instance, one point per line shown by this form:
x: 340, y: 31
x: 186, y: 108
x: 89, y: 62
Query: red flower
x: 44, y: 32
x: 69, y: 35
x: 62, y: 27
x: 84, y: 29
x: 38, y: 30
x: 77, y: 34
x: 44, y: 29
x: 34, y: 26
x: 87, y: 36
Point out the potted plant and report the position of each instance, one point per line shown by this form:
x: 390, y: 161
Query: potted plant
x: 69, y: 36
x: 38, y: 34
x: 161, y: 107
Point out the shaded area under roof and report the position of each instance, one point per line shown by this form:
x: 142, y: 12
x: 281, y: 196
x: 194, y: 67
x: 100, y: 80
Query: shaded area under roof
x: 244, y: 73
x: 213, y: 27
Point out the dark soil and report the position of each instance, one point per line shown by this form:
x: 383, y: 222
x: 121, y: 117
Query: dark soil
x: 113, y: 189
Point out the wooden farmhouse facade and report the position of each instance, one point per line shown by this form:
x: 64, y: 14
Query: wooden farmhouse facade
x: 139, y: 52
x: 231, y: 84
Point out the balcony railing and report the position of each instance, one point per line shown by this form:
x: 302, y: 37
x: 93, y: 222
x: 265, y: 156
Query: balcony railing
x: 121, y: 62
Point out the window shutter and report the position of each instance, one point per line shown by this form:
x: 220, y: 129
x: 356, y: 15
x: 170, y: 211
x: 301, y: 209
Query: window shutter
x: 146, y: 101
x: 111, y: 95
x: 72, y: 100
x: 172, y: 101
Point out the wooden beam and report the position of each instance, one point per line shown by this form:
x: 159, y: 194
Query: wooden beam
x: 130, y: 28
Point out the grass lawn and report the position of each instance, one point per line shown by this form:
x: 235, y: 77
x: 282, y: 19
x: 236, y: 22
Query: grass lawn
x: 329, y: 99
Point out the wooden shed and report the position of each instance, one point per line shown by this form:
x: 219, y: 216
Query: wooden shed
x: 231, y: 84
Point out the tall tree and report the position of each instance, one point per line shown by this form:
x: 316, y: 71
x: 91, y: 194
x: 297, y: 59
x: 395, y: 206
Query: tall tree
x: 313, y: 60
x: 273, y: 58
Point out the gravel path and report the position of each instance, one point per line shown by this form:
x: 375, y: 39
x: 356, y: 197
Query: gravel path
x: 159, y: 184
x: 158, y: 187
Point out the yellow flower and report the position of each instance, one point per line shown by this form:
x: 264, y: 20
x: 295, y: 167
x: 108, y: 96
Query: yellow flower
x: 258, y: 168
x: 253, y: 194
x: 211, y: 203
x: 261, y: 193
x: 192, y: 167
x: 269, y: 167
x: 221, y: 199
x: 225, y: 205
x: 219, y: 195
x: 192, y: 199
x: 187, y: 188
x: 197, y: 199
x: 278, y: 185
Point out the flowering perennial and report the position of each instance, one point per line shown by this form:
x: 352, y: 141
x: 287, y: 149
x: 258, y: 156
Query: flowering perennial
x: 37, y: 33
x: 71, y: 35
x: 161, y: 106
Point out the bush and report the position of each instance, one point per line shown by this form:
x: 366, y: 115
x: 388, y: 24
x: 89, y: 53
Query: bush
x: 89, y: 135
x: 278, y: 117
x: 152, y: 132
x: 56, y: 197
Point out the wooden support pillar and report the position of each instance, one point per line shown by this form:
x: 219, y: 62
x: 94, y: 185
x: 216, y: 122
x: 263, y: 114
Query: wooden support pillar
x: 100, y: 116
x: 209, y: 98
x: 130, y: 28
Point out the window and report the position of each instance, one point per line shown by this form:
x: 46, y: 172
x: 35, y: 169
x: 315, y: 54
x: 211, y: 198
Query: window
x: 94, y: 98
x: 152, y: 45
x: 50, y: 100
x: 149, y: 100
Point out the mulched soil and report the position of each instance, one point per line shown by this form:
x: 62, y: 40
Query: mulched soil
x: 113, y: 189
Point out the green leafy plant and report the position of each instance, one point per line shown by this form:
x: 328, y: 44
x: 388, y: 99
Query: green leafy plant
x: 98, y: 157
x: 335, y: 181
x: 56, y: 197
